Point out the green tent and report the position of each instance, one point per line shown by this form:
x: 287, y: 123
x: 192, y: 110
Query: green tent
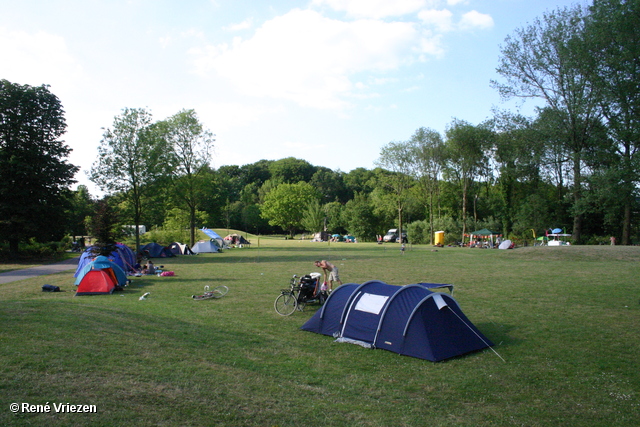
x: 483, y: 232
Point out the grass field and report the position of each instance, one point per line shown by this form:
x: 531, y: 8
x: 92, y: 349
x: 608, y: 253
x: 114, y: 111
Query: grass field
x: 565, y: 320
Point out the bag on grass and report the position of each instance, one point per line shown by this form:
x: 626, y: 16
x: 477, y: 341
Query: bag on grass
x: 50, y: 288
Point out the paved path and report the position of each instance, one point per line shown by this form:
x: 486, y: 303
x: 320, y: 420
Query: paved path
x: 41, y: 270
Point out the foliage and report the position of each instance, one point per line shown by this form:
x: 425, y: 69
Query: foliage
x: 285, y: 205
x: 191, y: 147
x: 34, y: 173
x: 131, y: 160
x: 106, y: 228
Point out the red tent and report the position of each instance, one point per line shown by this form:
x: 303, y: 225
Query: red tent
x: 97, y: 282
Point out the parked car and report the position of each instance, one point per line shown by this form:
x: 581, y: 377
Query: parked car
x: 392, y: 236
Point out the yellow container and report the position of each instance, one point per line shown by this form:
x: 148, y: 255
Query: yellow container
x: 438, y: 238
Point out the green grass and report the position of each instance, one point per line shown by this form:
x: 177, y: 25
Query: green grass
x: 565, y: 320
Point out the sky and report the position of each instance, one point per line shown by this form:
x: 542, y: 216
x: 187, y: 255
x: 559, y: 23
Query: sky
x: 328, y: 81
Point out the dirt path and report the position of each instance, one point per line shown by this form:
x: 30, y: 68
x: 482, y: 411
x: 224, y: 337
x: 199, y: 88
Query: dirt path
x: 42, y: 270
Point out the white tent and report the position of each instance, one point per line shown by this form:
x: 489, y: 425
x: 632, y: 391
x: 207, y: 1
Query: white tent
x: 506, y: 244
x: 205, y: 246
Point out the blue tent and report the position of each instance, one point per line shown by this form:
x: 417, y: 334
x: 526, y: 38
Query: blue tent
x: 123, y: 256
x: 155, y: 250
x: 410, y: 320
x: 103, y: 263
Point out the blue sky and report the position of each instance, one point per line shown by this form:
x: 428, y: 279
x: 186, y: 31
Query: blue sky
x: 329, y: 81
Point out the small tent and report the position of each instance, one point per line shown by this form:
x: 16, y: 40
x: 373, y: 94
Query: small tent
x: 155, y: 250
x: 236, y: 239
x: 177, y: 248
x: 100, y: 276
x: 205, y: 246
x: 410, y: 320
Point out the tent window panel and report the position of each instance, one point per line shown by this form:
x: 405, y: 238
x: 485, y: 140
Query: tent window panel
x: 370, y: 303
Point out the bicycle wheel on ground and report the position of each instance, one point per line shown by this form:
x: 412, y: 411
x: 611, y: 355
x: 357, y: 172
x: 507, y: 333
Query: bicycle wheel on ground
x: 219, y: 292
x: 285, y: 304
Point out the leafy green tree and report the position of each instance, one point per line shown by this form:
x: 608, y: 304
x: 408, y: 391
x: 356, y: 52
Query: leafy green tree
x: 34, y: 173
x: 425, y: 165
x: 611, y: 64
x: 284, y: 206
x: 191, y: 146
x: 81, y: 207
x: 131, y: 160
x: 105, y: 227
x: 545, y: 61
x: 313, y: 218
x: 397, y: 158
x: 359, y: 218
x: 467, y: 148
x: 291, y: 170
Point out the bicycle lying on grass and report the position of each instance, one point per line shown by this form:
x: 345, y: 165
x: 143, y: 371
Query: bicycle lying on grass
x: 218, y: 292
x: 302, y: 291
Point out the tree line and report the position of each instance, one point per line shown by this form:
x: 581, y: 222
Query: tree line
x: 573, y: 164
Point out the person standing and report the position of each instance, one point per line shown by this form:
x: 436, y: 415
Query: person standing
x: 330, y: 273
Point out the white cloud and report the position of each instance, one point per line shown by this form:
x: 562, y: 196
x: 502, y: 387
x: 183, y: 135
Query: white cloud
x: 441, y: 20
x: 37, y: 59
x: 373, y: 8
x: 476, y: 20
x: 244, y: 25
x: 307, y: 58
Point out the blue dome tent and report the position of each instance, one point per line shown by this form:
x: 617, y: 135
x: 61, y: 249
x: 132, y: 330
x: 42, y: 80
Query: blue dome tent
x: 411, y: 320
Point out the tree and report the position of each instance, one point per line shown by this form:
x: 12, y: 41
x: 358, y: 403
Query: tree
x: 612, y: 49
x: 285, y: 205
x: 544, y: 61
x: 191, y: 147
x: 291, y: 170
x: 81, y: 207
x: 466, y: 153
x: 425, y: 165
x: 131, y: 160
x: 105, y: 226
x: 397, y: 158
x: 34, y: 173
x: 313, y: 217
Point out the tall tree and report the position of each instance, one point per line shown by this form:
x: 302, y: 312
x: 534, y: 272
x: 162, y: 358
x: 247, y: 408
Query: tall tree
x: 543, y: 61
x: 191, y: 146
x: 396, y: 157
x: 131, y: 159
x: 34, y: 173
x: 467, y: 148
x: 611, y: 63
x: 426, y: 165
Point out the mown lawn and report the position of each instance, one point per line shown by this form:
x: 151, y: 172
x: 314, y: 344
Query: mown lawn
x: 565, y: 320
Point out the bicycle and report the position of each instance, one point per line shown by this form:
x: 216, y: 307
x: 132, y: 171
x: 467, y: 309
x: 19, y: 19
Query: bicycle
x: 217, y: 292
x: 299, y: 295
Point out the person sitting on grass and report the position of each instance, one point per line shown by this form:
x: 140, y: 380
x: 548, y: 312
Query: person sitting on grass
x: 330, y: 273
x: 149, y: 268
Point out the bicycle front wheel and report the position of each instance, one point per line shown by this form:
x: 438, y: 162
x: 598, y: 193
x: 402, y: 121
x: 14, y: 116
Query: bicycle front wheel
x: 285, y: 304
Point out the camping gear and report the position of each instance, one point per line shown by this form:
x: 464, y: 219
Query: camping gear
x: 506, y: 244
x: 205, y: 246
x: 177, y: 248
x: 303, y: 291
x: 123, y: 256
x: 217, y: 292
x: 410, y: 320
x: 155, y: 250
x: 50, y: 288
x: 100, y: 276
x: 236, y: 239
x: 97, y: 282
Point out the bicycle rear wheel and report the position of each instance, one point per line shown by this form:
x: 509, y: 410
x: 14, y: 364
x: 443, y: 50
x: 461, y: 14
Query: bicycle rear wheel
x: 285, y: 304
